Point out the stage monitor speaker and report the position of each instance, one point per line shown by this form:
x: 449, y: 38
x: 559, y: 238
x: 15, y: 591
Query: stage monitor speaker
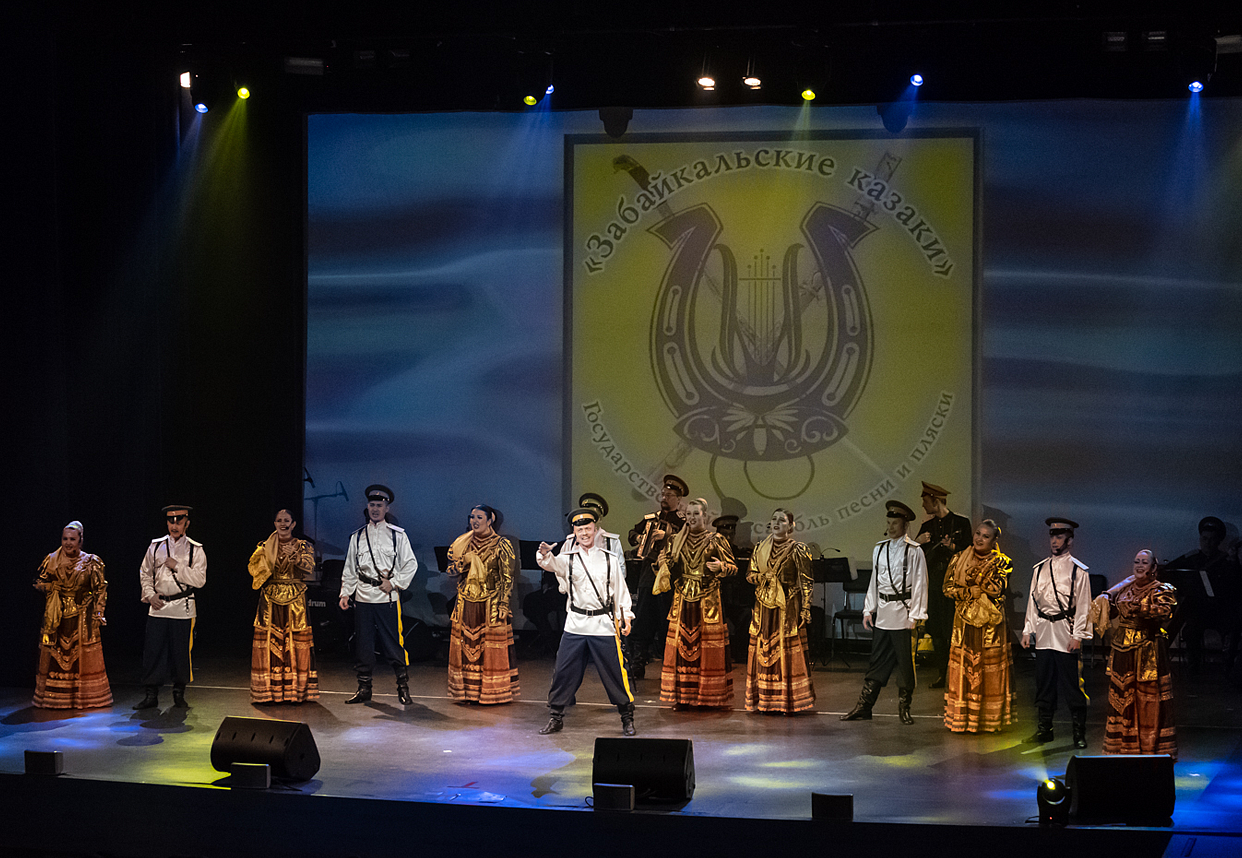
x: 45, y: 762
x: 1136, y: 789
x: 658, y: 769
x: 287, y: 746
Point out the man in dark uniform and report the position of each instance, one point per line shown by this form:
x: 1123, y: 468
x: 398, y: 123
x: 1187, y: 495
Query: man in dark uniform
x: 649, y: 536
x: 942, y: 535
x: 1209, y: 593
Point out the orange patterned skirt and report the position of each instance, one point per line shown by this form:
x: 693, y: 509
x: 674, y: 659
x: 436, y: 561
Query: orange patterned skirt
x: 482, y: 661
x: 1140, y: 713
x: 697, y: 668
x: 978, y: 695
x: 777, y: 677
x: 72, y: 676
x: 282, y: 656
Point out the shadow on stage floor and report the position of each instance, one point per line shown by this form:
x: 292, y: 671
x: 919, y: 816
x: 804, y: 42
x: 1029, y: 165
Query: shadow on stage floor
x: 439, y: 774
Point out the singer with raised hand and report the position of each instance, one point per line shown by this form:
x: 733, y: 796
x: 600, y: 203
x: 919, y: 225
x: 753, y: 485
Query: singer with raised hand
x: 590, y: 570
x: 697, y: 668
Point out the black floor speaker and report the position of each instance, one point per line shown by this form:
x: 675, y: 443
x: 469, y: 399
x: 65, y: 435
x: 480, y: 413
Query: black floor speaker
x: 287, y: 746
x: 1136, y: 789
x: 658, y: 769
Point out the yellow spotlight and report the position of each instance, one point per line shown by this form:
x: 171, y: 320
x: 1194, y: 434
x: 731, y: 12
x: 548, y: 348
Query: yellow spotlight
x: 707, y: 82
x: 808, y: 94
x: 752, y: 82
x: 530, y: 101
x: 242, y: 92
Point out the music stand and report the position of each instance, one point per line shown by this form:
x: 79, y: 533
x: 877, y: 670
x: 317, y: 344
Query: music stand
x: 830, y: 570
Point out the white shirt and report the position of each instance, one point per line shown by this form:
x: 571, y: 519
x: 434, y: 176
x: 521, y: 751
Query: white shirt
x: 891, y: 558
x: 1056, y: 634
x: 604, y: 563
x: 378, y: 548
x: 158, y: 579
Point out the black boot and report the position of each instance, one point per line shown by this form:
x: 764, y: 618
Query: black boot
x: 905, y: 696
x: 151, y: 700
x: 555, y: 724
x: 1080, y: 727
x: 363, y: 694
x: 179, y: 697
x: 940, y: 680
x: 627, y: 719
x: 1043, y: 729
x: 403, y: 689
x: 866, y: 700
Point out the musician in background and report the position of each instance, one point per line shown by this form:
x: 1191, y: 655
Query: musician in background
x: 649, y: 537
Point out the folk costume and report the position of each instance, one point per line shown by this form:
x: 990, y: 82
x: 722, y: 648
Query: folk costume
x: 1140, y: 686
x: 378, y: 551
x: 697, y: 668
x: 282, y: 652
x: 1056, y: 613
x: 778, y: 678
x: 978, y: 697
x: 71, y: 664
x: 169, y: 637
x: 482, y: 664
x: 598, y: 603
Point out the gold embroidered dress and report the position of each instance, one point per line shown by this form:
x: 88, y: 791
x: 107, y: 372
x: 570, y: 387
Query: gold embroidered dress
x: 71, y: 664
x: 282, y: 656
x: 1140, y: 686
x: 482, y: 660
x: 978, y: 694
x: 777, y: 675
x: 697, y: 668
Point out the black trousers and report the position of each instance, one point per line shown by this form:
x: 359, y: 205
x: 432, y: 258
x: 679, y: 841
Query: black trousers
x: 650, y: 614
x: 891, y: 650
x: 166, y: 651
x: 575, y: 653
x: 1058, y: 674
x: 379, y: 623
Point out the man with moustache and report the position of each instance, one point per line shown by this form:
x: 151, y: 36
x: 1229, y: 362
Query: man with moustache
x: 379, y: 564
x: 1056, y: 625
x: 651, y: 610
x: 943, y: 535
x: 896, y: 601
x: 590, y: 569
x: 172, y: 569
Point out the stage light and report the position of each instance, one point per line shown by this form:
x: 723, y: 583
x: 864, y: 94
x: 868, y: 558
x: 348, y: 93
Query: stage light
x: 530, y: 101
x: 1155, y: 40
x: 616, y: 119
x: 201, y: 107
x: 551, y: 89
x: 1115, y: 41
x: 751, y: 80
x: 1053, y: 799
x: 707, y: 82
x: 243, y: 92
x: 185, y: 80
x: 916, y: 80
x: 808, y: 94
x: 1195, y: 86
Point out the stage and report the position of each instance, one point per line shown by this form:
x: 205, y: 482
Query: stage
x: 757, y: 771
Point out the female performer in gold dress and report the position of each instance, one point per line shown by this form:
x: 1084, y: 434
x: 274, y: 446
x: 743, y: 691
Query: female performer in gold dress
x: 697, y: 667
x: 777, y: 675
x: 71, y: 664
x: 282, y: 657
x: 978, y: 696
x: 482, y: 663
x: 1140, y: 687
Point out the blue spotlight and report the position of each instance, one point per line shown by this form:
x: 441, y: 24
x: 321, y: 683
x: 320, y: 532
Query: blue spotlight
x: 916, y: 79
x: 201, y: 107
x: 1195, y: 86
x: 549, y: 90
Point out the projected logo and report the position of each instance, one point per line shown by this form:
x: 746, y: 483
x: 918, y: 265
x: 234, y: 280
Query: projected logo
x: 726, y: 322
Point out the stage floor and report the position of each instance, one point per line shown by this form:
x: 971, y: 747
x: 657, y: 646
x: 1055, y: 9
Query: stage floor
x: 747, y: 765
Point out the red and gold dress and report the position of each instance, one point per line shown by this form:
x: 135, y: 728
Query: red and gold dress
x: 482, y: 660
x: 978, y: 694
x: 71, y: 664
x: 282, y: 655
x: 697, y: 669
x: 777, y: 675
x: 1140, y: 687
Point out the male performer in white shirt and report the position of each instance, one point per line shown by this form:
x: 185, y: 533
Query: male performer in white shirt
x: 1056, y: 624
x: 896, y: 601
x: 590, y: 570
x: 173, y: 567
x: 379, y: 564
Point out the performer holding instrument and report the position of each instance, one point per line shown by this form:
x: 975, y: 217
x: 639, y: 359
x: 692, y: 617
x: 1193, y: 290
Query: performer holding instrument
x: 649, y: 537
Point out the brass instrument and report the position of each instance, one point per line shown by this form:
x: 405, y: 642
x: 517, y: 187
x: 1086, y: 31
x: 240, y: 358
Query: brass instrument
x: 650, y: 524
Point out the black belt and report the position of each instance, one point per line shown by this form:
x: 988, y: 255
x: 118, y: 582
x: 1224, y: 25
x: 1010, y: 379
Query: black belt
x: 1052, y: 618
x: 184, y: 594
x: 596, y: 613
x: 367, y: 579
x: 899, y: 597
